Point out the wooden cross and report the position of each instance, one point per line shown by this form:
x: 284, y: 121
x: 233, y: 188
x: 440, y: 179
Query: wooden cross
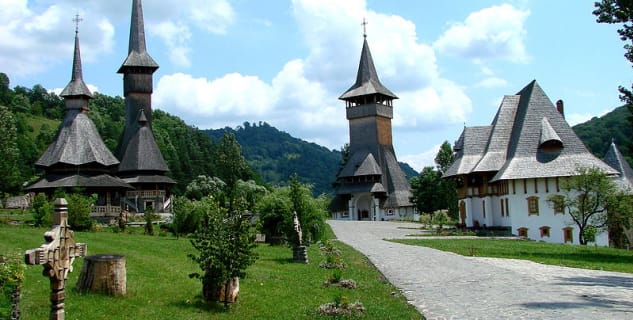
x: 57, y: 256
x: 364, y: 24
x: 76, y: 20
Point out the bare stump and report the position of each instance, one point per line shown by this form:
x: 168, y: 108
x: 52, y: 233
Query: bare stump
x: 103, y: 273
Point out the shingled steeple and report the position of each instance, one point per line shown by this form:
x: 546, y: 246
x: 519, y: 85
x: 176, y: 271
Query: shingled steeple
x: 371, y: 185
x: 77, y: 157
x: 142, y: 164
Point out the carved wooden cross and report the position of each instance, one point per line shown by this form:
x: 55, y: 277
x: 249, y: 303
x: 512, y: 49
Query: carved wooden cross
x: 57, y: 256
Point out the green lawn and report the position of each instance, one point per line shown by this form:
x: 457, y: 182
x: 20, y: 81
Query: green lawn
x: 158, y: 285
x: 586, y: 257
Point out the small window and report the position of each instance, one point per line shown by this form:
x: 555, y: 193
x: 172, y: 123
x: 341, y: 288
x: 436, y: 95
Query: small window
x: 507, y: 208
x: 483, y: 205
x: 522, y: 232
x: 544, y: 231
x: 568, y: 234
x: 503, y: 211
x: 532, y: 206
x: 558, y: 205
x: 390, y: 212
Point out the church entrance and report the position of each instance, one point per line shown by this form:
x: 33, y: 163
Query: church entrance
x: 364, y: 207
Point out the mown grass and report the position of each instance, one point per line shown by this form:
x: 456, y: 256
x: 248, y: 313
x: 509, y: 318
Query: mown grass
x: 159, y: 287
x: 586, y: 257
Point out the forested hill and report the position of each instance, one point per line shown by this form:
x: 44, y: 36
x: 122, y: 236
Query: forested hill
x: 598, y: 133
x: 276, y: 155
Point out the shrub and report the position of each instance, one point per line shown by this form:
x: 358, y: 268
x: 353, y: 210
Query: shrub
x: 42, y: 211
x: 79, y: 209
x: 11, y: 277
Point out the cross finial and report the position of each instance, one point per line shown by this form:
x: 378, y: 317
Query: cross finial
x: 76, y: 20
x: 364, y: 24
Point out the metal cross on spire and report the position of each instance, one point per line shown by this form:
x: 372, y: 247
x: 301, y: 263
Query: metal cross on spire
x: 76, y: 20
x: 364, y: 24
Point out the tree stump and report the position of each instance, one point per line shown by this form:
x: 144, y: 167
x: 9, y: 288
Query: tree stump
x: 103, y: 273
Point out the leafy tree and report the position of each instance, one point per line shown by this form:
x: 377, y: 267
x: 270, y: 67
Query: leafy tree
x: 587, y: 197
x: 79, y: 209
x: 427, y: 193
x: 277, y: 211
x: 225, y: 243
x: 445, y: 157
x: 42, y: 210
x: 619, y: 12
x: 250, y: 192
x: 9, y: 174
x: 443, y: 160
x: 229, y: 162
x: 186, y: 216
x: 204, y: 186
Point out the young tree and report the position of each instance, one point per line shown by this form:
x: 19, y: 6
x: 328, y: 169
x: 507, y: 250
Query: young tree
x: 225, y: 243
x: 587, y: 197
x: 445, y: 157
x: 230, y: 165
x: 427, y: 191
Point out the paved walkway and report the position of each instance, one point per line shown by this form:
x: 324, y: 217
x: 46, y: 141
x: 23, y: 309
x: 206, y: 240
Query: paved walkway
x: 444, y: 285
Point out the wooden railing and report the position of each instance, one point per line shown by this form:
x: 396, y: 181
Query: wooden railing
x: 146, y: 194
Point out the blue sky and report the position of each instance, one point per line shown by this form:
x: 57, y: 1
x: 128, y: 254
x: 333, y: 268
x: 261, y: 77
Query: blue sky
x: 286, y: 62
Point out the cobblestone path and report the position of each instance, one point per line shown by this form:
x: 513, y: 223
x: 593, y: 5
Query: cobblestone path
x: 444, y: 285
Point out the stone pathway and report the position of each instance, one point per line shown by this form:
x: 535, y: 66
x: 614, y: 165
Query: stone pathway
x: 444, y: 285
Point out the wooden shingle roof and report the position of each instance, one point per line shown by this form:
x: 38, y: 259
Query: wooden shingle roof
x: 530, y: 139
x: 141, y: 152
x: 616, y: 160
x: 137, y: 49
x: 367, y: 82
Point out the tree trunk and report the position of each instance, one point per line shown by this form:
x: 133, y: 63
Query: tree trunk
x: 103, y: 273
x: 226, y: 292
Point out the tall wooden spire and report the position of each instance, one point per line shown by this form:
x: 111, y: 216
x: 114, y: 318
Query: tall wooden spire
x: 76, y: 87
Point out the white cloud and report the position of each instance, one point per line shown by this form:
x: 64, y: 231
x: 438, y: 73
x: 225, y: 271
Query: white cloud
x: 420, y: 160
x: 34, y: 38
x: 176, y: 37
x: 492, y: 33
x: 577, y: 118
x: 302, y: 98
x: 491, y: 82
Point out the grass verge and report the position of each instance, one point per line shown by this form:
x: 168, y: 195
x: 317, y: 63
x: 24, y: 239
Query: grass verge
x: 586, y: 257
x: 159, y: 287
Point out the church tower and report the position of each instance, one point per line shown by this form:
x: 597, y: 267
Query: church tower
x: 142, y: 164
x: 371, y: 185
x: 78, y: 158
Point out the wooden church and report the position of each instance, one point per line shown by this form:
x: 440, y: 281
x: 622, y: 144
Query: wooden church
x: 78, y: 159
x: 371, y: 185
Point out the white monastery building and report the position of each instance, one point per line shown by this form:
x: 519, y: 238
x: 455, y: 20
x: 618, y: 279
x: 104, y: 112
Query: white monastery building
x: 506, y: 171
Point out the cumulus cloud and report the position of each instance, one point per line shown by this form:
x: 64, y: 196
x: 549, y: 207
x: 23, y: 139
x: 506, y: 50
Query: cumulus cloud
x: 176, y: 37
x: 420, y: 160
x: 302, y: 98
x: 36, y: 37
x: 492, y: 33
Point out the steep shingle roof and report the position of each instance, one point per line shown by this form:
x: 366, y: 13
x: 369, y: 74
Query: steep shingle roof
x: 539, y: 142
x: 616, y: 160
x: 77, y: 143
x: 367, y: 81
x: 361, y: 164
x: 137, y: 50
x: 76, y: 86
x: 142, y: 152
x: 470, y: 147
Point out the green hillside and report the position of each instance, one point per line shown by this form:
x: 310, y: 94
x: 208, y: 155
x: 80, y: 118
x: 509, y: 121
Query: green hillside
x: 276, y: 155
x: 598, y: 133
